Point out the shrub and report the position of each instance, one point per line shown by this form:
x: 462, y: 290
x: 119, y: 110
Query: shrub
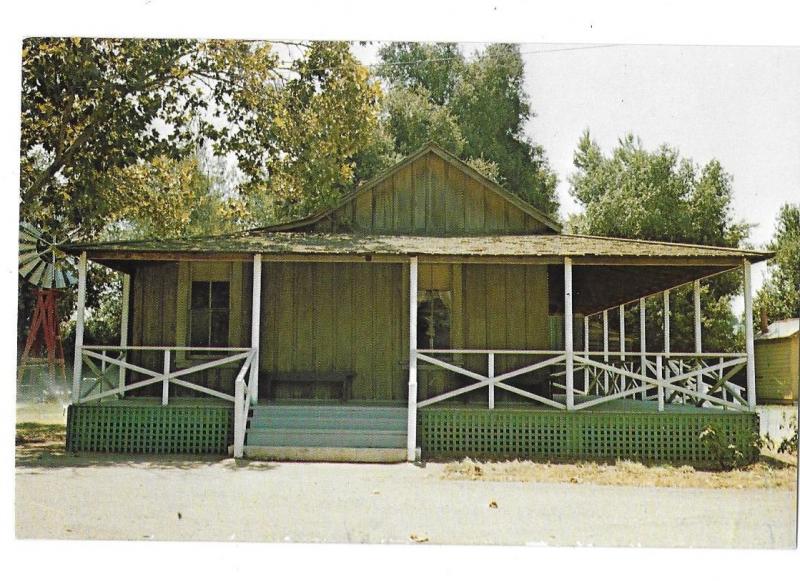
x: 728, y: 454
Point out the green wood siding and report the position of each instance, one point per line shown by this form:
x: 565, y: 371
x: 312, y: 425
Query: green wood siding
x: 777, y: 368
x: 156, y: 302
x: 352, y: 318
x: 431, y: 197
x: 335, y: 317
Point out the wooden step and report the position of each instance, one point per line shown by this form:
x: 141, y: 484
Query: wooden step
x: 328, y: 422
x: 326, y: 438
x: 313, y: 454
x: 274, y: 411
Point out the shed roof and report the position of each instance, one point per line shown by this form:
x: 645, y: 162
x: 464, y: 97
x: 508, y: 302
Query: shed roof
x: 323, y: 244
x: 780, y: 330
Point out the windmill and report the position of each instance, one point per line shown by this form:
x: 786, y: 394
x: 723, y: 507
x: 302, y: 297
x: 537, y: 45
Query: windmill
x: 49, y: 270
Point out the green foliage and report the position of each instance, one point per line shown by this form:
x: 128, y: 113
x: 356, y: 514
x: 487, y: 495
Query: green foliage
x: 654, y: 195
x: 476, y: 108
x: 297, y: 142
x: 730, y: 455
x: 171, y: 199
x: 789, y: 445
x: 657, y: 195
x: 780, y: 295
x: 95, y: 110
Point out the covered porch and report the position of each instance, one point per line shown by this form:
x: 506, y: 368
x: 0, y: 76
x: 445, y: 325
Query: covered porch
x: 573, y: 379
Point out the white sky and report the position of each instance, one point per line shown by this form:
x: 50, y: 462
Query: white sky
x: 736, y: 104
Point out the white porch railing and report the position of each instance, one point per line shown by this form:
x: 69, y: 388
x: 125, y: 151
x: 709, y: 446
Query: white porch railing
x: 699, y: 379
x: 103, y: 359
x: 241, y: 404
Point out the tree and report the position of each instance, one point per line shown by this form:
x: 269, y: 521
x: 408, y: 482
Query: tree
x: 780, y: 295
x: 657, y: 195
x: 477, y: 108
x: 92, y: 107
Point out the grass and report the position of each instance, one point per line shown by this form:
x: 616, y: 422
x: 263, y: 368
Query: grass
x: 770, y: 471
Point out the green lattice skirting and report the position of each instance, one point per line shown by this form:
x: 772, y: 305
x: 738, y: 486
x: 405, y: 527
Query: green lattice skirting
x: 172, y: 429
x: 648, y: 437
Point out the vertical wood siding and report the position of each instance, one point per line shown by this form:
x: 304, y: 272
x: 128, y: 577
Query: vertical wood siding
x: 155, y: 291
x: 335, y: 317
x: 353, y: 317
x: 430, y: 197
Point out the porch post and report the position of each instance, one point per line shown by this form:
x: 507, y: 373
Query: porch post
x: 123, y: 327
x: 78, y: 360
x: 605, y: 349
x: 666, y: 322
x: 748, y: 336
x: 586, y: 354
x: 622, y: 378
x: 643, y: 343
x: 255, y: 329
x: 568, y: 347
x: 411, y: 443
x: 698, y: 339
x: 698, y: 330
x: 667, y: 393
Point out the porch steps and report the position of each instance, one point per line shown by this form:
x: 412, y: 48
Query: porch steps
x: 334, y: 433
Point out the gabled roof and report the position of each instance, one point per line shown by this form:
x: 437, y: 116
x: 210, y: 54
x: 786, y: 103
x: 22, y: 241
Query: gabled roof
x: 448, y: 157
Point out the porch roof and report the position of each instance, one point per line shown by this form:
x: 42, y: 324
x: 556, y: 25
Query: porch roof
x: 583, y: 249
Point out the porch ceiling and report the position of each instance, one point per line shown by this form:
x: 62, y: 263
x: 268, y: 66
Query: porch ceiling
x: 599, y: 287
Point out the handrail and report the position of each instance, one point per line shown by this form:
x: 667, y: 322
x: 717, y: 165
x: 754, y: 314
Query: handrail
x: 165, y: 347
x: 562, y: 351
x: 241, y: 406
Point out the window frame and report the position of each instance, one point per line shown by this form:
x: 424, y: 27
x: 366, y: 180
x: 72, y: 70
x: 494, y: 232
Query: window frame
x: 209, y: 271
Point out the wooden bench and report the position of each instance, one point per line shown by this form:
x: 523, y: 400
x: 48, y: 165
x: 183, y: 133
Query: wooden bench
x: 343, y: 379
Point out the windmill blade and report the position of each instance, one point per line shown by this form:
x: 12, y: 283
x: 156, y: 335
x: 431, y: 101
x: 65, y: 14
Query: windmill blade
x: 71, y: 278
x: 37, y: 273
x: 31, y: 234
x: 59, y: 278
x: 29, y: 256
x: 24, y: 271
x: 48, y: 278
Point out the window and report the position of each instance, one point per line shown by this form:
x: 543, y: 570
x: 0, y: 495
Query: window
x: 433, y: 319
x: 209, y: 314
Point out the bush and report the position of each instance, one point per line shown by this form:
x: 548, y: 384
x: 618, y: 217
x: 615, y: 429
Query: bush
x: 789, y: 445
x: 729, y: 455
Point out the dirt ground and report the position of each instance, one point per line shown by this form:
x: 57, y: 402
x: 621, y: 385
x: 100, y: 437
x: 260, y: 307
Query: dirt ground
x: 97, y: 496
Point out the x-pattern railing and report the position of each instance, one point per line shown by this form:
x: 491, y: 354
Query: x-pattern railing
x: 98, y: 359
x: 699, y: 379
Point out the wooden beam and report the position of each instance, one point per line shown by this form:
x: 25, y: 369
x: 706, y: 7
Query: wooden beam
x: 255, y: 328
x: 643, y: 339
x: 586, y: 354
x: 698, y: 330
x: 411, y: 443
x: 748, y: 336
x: 124, y: 319
x: 568, y: 346
x: 79, y: 322
x: 605, y: 348
x: 622, y: 342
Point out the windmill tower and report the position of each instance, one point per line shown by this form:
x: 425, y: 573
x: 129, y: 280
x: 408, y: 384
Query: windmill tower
x: 49, y: 270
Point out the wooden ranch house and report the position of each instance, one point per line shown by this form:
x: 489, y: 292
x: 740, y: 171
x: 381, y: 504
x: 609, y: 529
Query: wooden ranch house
x: 431, y: 312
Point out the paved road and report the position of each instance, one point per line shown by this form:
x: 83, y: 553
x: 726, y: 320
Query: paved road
x: 221, y: 500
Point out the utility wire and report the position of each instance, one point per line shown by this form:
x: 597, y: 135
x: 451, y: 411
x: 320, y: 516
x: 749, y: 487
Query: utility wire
x: 443, y: 59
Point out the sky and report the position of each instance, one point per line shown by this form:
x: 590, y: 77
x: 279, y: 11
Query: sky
x: 736, y: 104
